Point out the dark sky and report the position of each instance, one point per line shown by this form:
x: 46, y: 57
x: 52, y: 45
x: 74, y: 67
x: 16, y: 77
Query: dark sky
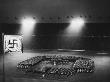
x: 53, y: 8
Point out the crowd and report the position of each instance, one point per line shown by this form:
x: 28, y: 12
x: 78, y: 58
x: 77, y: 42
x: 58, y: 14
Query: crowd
x: 82, y: 66
x: 27, y: 64
x: 79, y: 64
x: 62, y: 71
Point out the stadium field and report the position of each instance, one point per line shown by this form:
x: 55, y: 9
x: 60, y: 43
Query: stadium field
x: 101, y: 73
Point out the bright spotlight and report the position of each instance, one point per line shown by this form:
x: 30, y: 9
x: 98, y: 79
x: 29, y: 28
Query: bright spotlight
x: 76, y: 25
x: 28, y: 25
x: 27, y: 28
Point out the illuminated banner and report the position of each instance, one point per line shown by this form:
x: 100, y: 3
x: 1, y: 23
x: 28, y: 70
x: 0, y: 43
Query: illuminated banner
x: 13, y: 43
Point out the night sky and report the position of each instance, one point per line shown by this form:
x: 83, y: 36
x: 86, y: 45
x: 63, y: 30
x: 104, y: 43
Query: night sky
x: 51, y: 35
x: 53, y: 8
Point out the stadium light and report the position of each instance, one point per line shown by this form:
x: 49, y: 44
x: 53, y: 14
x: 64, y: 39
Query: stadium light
x: 27, y: 28
x: 28, y: 25
x: 76, y: 25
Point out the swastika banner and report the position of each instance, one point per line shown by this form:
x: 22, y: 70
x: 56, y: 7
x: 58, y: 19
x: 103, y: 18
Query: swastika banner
x: 13, y: 43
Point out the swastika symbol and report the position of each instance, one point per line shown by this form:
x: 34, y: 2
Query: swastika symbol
x: 13, y: 43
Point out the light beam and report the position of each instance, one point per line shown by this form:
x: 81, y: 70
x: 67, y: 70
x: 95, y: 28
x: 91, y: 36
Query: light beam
x: 76, y: 25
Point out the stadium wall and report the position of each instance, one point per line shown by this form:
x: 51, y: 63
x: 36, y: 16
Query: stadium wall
x: 96, y: 36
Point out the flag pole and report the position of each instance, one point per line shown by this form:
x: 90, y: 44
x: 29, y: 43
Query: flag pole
x: 3, y: 57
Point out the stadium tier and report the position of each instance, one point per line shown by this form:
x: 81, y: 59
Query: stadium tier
x: 59, y: 65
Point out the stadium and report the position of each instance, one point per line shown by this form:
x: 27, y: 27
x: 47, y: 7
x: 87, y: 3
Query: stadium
x: 54, y: 41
